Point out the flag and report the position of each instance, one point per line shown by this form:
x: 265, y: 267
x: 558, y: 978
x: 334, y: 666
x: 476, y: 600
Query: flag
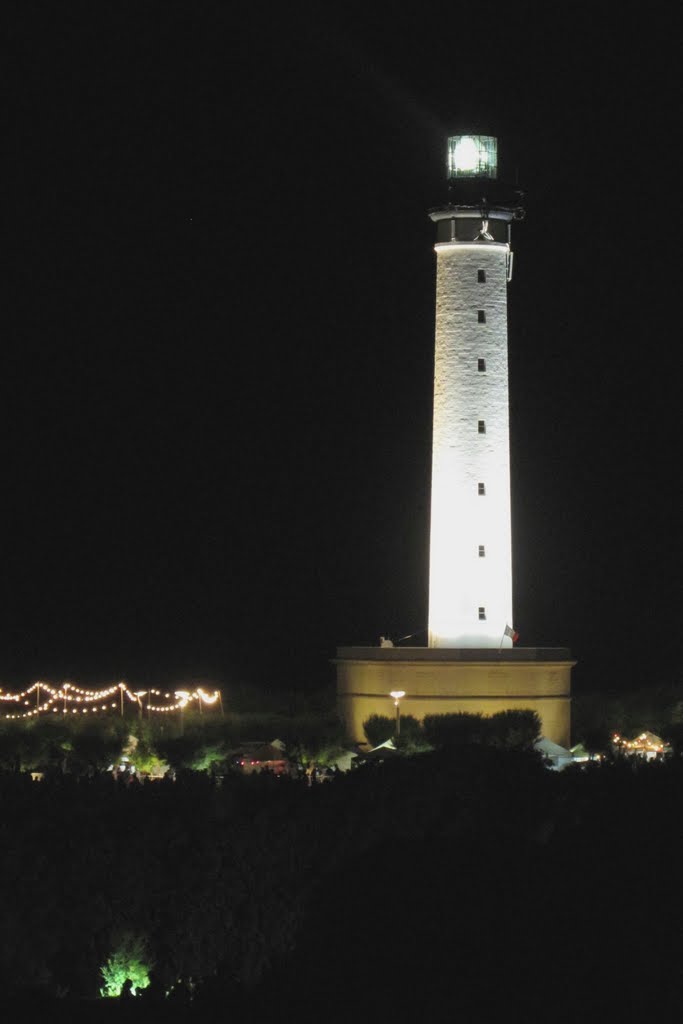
x: 512, y: 633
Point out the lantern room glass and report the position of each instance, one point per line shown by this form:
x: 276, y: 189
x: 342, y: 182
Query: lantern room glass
x: 472, y: 156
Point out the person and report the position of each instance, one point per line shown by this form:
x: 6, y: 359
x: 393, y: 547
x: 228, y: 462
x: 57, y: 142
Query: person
x: 154, y: 992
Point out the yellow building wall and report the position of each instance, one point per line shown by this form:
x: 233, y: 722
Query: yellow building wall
x: 443, y: 687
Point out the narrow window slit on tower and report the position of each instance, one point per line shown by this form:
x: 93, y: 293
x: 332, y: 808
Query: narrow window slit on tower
x: 481, y: 276
x: 481, y: 316
x: 481, y: 365
x: 481, y: 426
x: 482, y: 613
x: 482, y: 551
x: 481, y: 488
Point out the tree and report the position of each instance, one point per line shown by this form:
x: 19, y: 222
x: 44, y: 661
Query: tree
x: 127, y: 968
x: 96, y: 743
x: 596, y: 739
x: 673, y: 734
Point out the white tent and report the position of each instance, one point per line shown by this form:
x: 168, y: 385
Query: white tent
x: 559, y: 757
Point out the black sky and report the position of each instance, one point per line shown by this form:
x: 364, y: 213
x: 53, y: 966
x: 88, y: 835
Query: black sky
x: 217, y: 355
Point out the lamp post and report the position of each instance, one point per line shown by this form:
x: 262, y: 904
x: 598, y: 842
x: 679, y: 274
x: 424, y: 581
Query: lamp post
x: 397, y: 694
x: 182, y: 696
x: 140, y: 694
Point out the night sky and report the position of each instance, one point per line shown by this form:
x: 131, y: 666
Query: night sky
x: 217, y: 345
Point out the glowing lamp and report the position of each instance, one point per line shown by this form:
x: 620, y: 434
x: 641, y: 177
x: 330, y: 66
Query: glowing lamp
x: 397, y: 694
x: 472, y: 156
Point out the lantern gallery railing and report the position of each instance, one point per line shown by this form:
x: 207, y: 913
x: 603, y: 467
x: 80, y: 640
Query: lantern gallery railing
x: 67, y: 698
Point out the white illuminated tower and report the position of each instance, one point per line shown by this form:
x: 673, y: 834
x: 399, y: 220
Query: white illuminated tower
x: 470, y: 665
x: 470, y: 576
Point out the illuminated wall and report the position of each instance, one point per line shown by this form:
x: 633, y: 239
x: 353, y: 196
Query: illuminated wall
x: 536, y: 679
x: 470, y: 576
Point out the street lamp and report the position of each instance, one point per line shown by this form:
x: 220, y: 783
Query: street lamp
x: 397, y: 694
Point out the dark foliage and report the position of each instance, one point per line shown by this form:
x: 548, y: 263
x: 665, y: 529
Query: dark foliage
x: 455, y: 729
x: 379, y: 729
x: 411, y: 731
x: 673, y: 734
x: 78, y: 745
x: 597, y: 716
x: 263, y: 891
x: 514, y: 729
x: 510, y: 730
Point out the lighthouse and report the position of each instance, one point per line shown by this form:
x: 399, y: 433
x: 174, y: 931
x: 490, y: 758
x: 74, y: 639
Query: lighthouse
x: 470, y: 571
x: 469, y: 663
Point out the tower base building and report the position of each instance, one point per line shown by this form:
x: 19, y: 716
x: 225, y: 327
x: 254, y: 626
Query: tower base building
x: 441, y: 681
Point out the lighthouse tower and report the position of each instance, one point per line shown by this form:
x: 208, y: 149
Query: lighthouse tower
x: 470, y: 574
x: 469, y: 664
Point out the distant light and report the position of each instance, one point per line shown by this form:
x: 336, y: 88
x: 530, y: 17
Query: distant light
x: 397, y: 694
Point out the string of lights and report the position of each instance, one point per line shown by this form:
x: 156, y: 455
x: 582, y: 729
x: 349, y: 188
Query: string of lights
x: 646, y: 743
x: 68, y: 698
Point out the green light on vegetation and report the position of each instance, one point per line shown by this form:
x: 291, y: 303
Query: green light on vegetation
x: 472, y: 156
x: 127, y: 963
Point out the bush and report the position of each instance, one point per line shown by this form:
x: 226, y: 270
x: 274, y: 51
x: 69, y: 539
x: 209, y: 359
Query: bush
x: 411, y: 730
x: 379, y: 729
x: 458, y: 728
x: 515, y: 729
x: 208, y: 756
x: 511, y: 730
